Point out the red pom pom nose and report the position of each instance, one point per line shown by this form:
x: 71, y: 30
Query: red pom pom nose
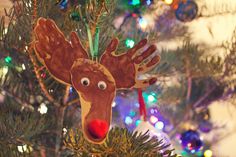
x: 98, y: 128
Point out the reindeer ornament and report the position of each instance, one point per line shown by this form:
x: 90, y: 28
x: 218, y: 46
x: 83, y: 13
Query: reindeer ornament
x: 96, y: 83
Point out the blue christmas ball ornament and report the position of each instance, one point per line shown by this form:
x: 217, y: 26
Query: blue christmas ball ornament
x: 186, y: 11
x: 191, y: 141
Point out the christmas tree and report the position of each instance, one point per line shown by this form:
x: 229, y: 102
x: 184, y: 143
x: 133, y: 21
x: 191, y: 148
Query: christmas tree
x: 42, y: 114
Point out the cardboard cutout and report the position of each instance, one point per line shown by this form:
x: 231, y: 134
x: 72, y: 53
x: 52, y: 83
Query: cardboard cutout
x: 96, y: 83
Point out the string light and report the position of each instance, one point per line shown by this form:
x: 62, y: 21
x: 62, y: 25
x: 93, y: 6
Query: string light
x: 128, y: 120
x: 8, y: 59
x: 208, y: 153
x: 71, y: 89
x: 142, y: 23
x: 136, y: 105
x: 148, y: 2
x: 151, y: 98
x: 129, y: 43
x: 24, y: 148
x: 137, y: 122
x: 132, y: 113
x: 43, y: 108
x: 4, y: 70
x: 159, y: 125
x: 64, y: 130
x: 43, y: 75
x: 135, y: 2
x: 153, y: 119
x: 168, y: 1
x: 113, y: 104
x: 23, y: 67
x: 5, y: 31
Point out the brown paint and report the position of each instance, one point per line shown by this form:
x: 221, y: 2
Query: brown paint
x: 68, y: 63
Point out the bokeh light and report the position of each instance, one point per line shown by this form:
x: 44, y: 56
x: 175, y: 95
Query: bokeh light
x: 8, y: 59
x: 43, y: 108
x: 153, y: 119
x: 129, y: 43
x: 208, y: 153
x: 128, y: 120
x: 159, y: 125
x: 142, y: 23
x: 168, y: 1
x: 137, y: 122
x: 134, y: 2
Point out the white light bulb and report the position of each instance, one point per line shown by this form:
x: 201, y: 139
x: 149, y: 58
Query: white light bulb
x: 23, y: 66
x: 113, y: 104
x: 43, y: 108
x: 24, y: 148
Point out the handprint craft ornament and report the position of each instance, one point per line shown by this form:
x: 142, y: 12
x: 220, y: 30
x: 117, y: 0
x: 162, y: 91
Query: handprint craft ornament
x: 95, y: 82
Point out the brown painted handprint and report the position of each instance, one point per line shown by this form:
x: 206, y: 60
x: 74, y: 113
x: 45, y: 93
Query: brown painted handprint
x: 56, y: 51
x: 96, y: 83
x: 126, y: 67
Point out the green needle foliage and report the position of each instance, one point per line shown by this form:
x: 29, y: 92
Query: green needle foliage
x: 120, y: 142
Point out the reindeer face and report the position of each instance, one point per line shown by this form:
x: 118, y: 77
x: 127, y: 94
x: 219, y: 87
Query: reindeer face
x: 96, y: 83
x: 96, y: 88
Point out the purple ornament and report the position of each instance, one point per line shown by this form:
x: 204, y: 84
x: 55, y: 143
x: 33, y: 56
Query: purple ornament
x: 191, y: 141
x: 205, y: 126
x: 186, y: 11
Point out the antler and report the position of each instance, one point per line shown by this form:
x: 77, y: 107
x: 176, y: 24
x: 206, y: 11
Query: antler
x: 57, y: 53
x: 126, y: 67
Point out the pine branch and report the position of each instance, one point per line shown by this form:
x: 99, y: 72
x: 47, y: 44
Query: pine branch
x: 18, y: 100
x: 42, y: 85
x: 120, y: 142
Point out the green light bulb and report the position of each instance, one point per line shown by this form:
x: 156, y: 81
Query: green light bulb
x: 8, y: 59
x: 135, y: 2
x: 129, y: 43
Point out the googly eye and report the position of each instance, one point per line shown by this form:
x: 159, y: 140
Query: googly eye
x: 102, y: 85
x: 85, y: 81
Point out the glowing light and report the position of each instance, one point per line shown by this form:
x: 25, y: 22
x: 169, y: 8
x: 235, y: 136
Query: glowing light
x: 135, y: 2
x: 142, y: 23
x: 193, y: 151
x: 4, y: 70
x: 43, y: 75
x: 113, y: 104
x: 132, y: 113
x: 43, y: 108
x: 71, y: 89
x: 5, y: 31
x: 8, y: 59
x: 24, y: 148
x: 153, y: 119
x: 128, y: 120
x: 129, y: 43
x: 208, y: 153
x: 168, y: 1
x: 152, y: 111
x: 136, y: 104
x: 159, y: 125
x: 137, y: 122
x: 64, y: 130
x: 23, y: 66
x: 151, y: 98
x: 148, y: 2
